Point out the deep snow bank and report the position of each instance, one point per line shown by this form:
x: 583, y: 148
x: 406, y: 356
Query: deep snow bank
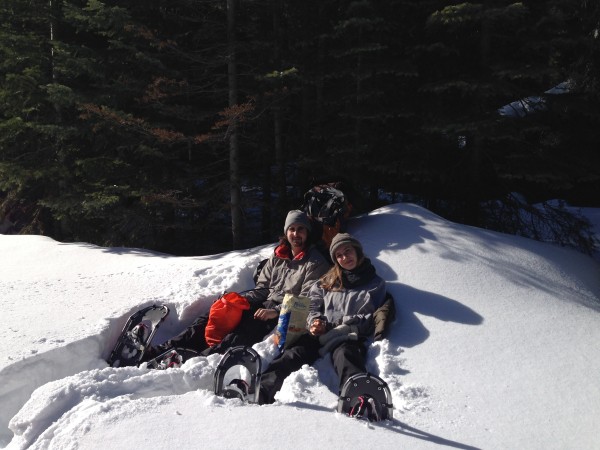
x: 494, y: 332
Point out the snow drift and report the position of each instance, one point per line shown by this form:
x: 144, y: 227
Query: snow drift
x: 495, y: 346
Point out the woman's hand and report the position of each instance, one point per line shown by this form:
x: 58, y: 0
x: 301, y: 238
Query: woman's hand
x: 266, y: 314
x: 317, y: 327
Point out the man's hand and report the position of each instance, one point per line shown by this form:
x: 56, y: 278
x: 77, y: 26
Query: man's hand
x: 266, y: 314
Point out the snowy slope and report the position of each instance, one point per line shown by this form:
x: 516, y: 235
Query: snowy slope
x: 496, y: 346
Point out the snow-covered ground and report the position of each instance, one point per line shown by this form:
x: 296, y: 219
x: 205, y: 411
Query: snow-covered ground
x: 496, y: 347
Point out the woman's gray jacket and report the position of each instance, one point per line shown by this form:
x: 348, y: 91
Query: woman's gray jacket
x: 354, y: 306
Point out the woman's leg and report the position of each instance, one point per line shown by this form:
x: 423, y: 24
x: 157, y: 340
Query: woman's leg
x: 349, y: 358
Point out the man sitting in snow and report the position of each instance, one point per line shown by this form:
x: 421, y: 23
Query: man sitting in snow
x: 294, y: 267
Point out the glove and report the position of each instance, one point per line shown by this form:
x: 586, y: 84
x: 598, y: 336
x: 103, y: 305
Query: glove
x: 383, y: 317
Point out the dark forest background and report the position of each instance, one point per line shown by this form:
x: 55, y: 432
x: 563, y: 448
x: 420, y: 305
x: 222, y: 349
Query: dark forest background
x: 191, y: 126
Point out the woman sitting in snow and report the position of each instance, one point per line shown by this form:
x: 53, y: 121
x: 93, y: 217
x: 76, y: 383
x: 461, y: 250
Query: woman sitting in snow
x: 341, y: 318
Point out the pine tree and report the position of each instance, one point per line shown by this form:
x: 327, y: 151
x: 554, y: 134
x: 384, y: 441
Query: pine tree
x: 33, y: 145
x: 119, y: 159
x: 356, y: 68
x: 116, y: 120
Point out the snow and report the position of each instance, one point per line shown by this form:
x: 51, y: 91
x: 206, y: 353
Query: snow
x: 529, y: 105
x: 495, y: 347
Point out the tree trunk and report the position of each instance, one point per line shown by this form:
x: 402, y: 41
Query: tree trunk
x: 280, y: 157
x: 485, y: 36
x: 52, y: 5
x: 280, y: 160
x: 358, y: 93
x: 62, y: 229
x: 235, y: 192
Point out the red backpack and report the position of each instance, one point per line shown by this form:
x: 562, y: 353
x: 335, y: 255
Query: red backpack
x: 225, y: 314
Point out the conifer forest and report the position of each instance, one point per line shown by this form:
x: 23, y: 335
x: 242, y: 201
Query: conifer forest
x: 191, y: 126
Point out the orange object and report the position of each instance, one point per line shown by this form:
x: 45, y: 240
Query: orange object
x: 225, y: 314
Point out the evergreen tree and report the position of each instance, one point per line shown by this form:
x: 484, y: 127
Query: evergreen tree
x: 33, y: 144
x: 358, y: 79
x: 123, y: 163
x: 118, y: 127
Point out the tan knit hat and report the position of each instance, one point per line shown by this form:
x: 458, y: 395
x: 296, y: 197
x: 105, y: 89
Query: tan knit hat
x: 341, y: 239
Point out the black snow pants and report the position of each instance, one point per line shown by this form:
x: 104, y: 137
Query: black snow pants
x: 248, y: 332
x: 349, y: 358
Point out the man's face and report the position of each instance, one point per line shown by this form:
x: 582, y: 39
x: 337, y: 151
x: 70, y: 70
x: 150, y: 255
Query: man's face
x: 297, y: 235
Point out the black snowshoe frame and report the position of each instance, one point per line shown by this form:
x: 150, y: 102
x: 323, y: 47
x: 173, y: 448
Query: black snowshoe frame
x: 239, y: 356
x: 151, y: 317
x: 365, y: 395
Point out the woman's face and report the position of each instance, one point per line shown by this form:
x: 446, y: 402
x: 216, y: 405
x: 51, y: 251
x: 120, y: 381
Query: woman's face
x: 346, y: 257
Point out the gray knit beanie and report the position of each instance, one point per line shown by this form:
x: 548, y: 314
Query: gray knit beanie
x: 296, y: 216
x: 341, y: 239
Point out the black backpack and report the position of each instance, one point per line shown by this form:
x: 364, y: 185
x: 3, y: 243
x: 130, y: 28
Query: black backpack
x: 328, y: 209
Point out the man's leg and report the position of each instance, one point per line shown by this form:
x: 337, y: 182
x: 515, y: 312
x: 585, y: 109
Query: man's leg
x: 248, y: 332
x: 192, y: 337
x: 304, y: 351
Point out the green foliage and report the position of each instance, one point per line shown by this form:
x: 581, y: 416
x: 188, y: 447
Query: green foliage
x: 114, y: 115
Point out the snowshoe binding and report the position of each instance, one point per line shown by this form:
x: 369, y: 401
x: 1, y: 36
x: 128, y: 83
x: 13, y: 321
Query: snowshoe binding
x: 137, y: 338
x: 366, y: 396
x: 366, y: 408
x: 171, y: 358
x: 245, y: 389
x: 237, y: 388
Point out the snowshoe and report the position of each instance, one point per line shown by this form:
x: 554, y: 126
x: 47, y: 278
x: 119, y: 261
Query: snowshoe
x: 247, y: 390
x: 136, y: 336
x: 171, y: 358
x: 366, y: 396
